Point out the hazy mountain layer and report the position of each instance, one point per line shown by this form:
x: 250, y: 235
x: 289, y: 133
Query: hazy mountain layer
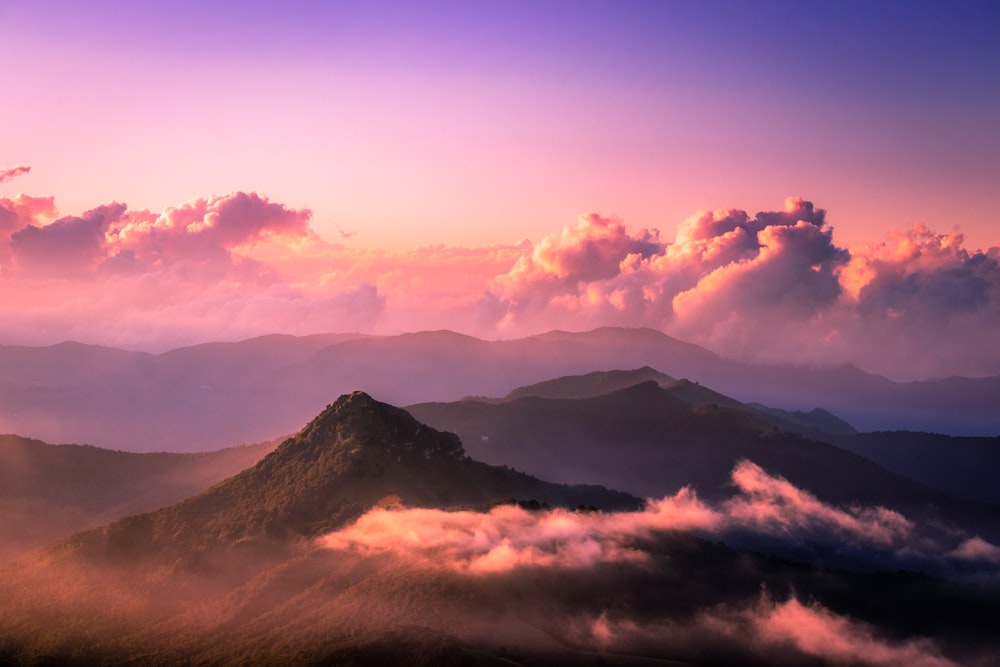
x: 48, y: 491
x: 221, y: 394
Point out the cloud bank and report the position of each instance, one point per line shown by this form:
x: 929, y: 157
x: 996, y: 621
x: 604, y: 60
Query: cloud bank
x: 509, y: 539
x: 793, y: 521
x: 780, y: 633
x: 773, y: 286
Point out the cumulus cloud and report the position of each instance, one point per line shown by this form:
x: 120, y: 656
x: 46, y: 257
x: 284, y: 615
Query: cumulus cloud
x: 14, y: 172
x: 189, y: 274
x: 16, y: 214
x: 727, y: 278
x: 770, y: 287
x: 68, y: 247
x: 937, y: 302
x: 560, y: 269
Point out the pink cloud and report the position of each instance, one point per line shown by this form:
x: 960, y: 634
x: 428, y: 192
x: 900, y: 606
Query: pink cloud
x: 67, y: 248
x: 561, y: 268
x: 508, y: 537
x: 782, y: 633
x: 24, y: 210
x: 135, y: 278
x: 771, y: 287
x: 774, y: 505
x: 816, y: 631
x: 206, y: 229
x: 977, y: 549
x: 10, y: 174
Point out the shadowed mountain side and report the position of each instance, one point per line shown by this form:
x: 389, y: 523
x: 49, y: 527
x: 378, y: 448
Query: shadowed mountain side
x: 47, y: 491
x: 589, y: 385
x: 649, y: 441
x: 815, y: 423
x: 962, y: 467
x: 219, y: 394
x: 356, y: 453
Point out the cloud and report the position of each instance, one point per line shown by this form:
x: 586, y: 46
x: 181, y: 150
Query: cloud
x: 793, y: 521
x: 508, y: 539
x: 726, y: 279
x: 206, y: 229
x: 10, y: 174
x: 558, y: 271
x: 768, y: 287
x: 785, y: 633
x: 772, y: 287
x: 978, y: 550
x: 189, y: 274
x: 68, y: 247
x: 774, y: 505
x: 937, y: 302
x: 816, y: 631
x: 17, y: 213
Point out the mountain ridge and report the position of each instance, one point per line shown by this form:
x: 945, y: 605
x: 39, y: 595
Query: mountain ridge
x: 354, y: 454
x: 215, y: 395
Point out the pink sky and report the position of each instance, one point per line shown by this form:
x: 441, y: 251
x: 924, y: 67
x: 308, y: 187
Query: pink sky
x: 426, y: 169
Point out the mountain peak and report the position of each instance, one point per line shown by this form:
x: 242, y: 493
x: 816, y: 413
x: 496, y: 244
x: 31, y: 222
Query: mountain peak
x: 353, y: 454
x: 361, y: 421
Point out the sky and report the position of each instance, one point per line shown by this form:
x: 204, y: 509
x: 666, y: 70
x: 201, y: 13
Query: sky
x: 503, y: 168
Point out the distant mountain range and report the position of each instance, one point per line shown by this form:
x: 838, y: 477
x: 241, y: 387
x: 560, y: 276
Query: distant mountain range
x: 221, y: 394
x: 317, y: 554
x: 962, y: 467
x: 661, y: 434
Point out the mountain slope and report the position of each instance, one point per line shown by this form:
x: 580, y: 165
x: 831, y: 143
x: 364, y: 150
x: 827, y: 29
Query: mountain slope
x: 964, y: 467
x: 648, y: 440
x: 48, y: 491
x: 357, y: 452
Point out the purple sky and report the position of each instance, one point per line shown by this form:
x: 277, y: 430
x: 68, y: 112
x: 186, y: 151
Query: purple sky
x: 477, y: 122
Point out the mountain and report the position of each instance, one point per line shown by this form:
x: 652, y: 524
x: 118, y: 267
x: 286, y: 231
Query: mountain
x: 964, y: 467
x: 654, y: 440
x: 356, y: 453
x: 220, y: 394
x: 48, y: 491
x: 590, y: 385
x: 330, y: 551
